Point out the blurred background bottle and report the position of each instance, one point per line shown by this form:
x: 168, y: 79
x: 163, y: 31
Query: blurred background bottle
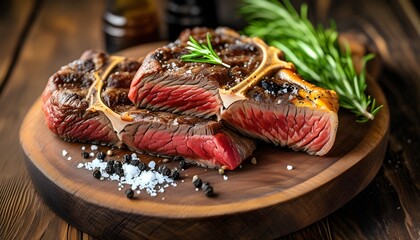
x: 130, y: 22
x: 181, y: 14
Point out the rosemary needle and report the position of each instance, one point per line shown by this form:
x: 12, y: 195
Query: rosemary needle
x: 202, y: 53
x: 314, y: 50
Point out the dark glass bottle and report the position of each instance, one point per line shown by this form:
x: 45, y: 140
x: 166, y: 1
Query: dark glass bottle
x: 130, y: 22
x: 181, y: 14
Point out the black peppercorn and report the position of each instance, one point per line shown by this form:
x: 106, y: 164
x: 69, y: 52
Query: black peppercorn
x: 208, y: 190
x: 109, y: 169
x: 100, y: 155
x: 110, y: 162
x: 142, y: 166
x: 135, y: 162
x: 197, y: 182
x: 85, y: 154
x: 166, y: 171
x: 182, y: 164
x: 160, y: 168
x: 175, y: 174
x: 117, y: 164
x: 119, y: 172
x: 129, y: 193
x: 127, y: 158
x: 97, y: 174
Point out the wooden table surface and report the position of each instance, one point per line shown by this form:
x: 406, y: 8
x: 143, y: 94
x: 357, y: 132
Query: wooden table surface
x: 37, y: 37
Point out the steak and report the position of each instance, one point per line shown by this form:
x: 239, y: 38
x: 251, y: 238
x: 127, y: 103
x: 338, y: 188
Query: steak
x: 86, y: 101
x: 259, y: 95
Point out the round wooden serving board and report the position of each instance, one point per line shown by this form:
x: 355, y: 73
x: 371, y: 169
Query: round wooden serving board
x: 262, y: 200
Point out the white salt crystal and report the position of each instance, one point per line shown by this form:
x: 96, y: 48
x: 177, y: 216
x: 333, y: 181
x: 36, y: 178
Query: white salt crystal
x: 289, y: 167
x: 69, y: 158
x: 80, y: 165
x: 130, y: 170
x: 64, y: 153
x: 91, y: 154
x: 225, y: 177
x: 83, y: 148
x: 94, y: 147
x: 114, y: 177
x: 152, y: 164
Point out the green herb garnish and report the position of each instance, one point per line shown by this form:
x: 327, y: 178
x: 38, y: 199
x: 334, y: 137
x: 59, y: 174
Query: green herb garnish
x: 314, y: 50
x: 202, y: 53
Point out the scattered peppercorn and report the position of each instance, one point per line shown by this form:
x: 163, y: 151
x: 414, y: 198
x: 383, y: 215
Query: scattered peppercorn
x: 129, y: 193
x: 127, y: 158
x: 100, y: 155
x: 175, y: 174
x: 110, y: 162
x: 97, y: 174
x: 85, y: 154
x: 109, y: 169
x: 197, y: 182
x: 160, y: 168
x: 204, y: 185
x: 119, y: 171
x: 117, y: 164
x: 135, y: 162
x: 208, y: 190
x: 182, y: 164
x: 166, y: 171
x: 142, y: 166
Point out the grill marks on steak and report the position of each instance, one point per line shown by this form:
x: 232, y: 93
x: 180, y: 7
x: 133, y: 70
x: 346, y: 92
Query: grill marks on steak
x: 260, y: 95
x: 86, y: 101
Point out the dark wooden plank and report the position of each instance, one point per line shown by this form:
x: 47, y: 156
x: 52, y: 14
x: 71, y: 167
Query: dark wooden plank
x: 15, y: 19
x: 60, y: 33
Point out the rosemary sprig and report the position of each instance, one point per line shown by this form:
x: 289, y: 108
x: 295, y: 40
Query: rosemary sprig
x: 202, y: 53
x: 314, y: 50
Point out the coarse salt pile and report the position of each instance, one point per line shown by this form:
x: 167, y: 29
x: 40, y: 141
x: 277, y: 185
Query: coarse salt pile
x: 150, y: 181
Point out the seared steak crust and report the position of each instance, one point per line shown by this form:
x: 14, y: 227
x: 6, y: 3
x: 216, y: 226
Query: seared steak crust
x: 260, y: 95
x: 164, y: 82
x: 87, y: 101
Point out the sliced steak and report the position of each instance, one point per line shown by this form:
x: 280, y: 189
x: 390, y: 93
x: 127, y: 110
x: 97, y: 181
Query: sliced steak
x: 259, y: 95
x: 86, y: 101
x: 166, y: 83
